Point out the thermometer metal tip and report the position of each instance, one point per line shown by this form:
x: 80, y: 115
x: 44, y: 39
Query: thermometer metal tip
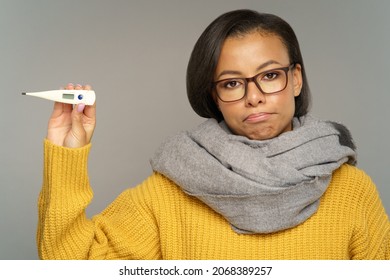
x: 86, y: 97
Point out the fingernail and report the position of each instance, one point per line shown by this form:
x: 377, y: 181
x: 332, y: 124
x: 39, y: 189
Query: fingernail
x: 80, y: 107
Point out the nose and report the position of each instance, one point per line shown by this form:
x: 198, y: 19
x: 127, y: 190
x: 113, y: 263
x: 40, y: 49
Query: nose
x: 253, y: 95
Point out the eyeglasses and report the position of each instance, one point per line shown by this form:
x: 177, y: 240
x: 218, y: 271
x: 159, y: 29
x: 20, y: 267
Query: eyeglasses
x: 270, y: 81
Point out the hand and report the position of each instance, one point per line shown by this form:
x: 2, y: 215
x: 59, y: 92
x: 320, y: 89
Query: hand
x: 72, y: 126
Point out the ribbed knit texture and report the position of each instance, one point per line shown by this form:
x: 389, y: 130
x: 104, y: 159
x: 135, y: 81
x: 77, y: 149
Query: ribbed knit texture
x: 156, y: 220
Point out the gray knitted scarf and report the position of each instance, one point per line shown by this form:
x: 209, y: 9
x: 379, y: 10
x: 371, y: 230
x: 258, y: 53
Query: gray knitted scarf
x: 258, y: 186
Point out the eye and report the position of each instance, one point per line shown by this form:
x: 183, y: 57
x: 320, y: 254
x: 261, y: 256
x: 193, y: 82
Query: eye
x: 231, y: 84
x: 270, y: 76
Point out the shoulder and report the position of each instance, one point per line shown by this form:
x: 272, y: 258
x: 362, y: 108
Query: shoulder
x: 156, y: 189
x: 157, y: 182
x: 351, y: 178
x: 353, y: 185
x: 354, y: 196
x: 348, y: 174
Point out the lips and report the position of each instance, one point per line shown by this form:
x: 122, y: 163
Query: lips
x: 257, y: 117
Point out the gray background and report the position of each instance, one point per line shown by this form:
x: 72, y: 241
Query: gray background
x: 134, y: 54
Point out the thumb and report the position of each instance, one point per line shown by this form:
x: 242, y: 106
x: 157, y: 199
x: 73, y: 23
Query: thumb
x: 80, y: 108
x: 78, y: 130
x: 77, y: 114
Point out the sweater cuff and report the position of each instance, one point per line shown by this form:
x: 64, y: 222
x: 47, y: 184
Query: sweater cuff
x: 66, y: 169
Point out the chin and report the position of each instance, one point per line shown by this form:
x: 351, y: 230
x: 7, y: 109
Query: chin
x: 261, y: 138
x: 263, y: 135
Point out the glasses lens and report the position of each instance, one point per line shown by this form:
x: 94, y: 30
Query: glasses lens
x: 231, y: 89
x: 272, y: 81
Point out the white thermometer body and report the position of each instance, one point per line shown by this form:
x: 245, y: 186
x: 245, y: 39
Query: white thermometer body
x: 86, y: 97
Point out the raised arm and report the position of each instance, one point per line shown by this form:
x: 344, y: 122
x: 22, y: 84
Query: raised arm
x: 122, y: 231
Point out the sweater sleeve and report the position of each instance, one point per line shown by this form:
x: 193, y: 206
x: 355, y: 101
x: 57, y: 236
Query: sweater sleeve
x: 124, y: 230
x: 371, y: 237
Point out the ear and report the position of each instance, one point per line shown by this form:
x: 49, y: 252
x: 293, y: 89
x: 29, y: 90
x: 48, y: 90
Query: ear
x: 297, y: 79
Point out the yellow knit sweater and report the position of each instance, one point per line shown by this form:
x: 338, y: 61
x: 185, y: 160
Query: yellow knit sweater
x: 156, y: 220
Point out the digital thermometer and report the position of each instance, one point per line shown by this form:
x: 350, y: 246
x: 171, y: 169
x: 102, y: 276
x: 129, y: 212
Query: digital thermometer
x: 86, y: 97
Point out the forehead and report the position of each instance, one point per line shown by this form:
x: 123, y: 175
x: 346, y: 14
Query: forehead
x: 251, y: 50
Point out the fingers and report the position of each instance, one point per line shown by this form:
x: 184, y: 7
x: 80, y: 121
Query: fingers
x: 83, y: 118
x: 70, y: 86
x: 60, y: 108
x: 89, y: 111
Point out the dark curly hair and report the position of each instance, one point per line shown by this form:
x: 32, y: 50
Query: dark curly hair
x: 206, y: 52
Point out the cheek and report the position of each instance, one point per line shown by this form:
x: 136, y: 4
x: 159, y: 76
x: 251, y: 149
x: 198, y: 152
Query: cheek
x: 287, y: 111
x: 289, y: 104
x: 230, y: 111
x: 284, y: 102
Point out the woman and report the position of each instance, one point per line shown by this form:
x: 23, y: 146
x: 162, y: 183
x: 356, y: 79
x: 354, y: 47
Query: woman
x: 260, y: 179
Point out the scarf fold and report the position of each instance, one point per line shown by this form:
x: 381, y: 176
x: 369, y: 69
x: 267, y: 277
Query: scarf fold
x: 257, y: 186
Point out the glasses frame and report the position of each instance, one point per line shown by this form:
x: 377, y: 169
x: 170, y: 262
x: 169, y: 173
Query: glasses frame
x: 253, y: 79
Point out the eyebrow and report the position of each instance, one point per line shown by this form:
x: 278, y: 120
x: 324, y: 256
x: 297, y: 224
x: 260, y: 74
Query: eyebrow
x: 233, y: 72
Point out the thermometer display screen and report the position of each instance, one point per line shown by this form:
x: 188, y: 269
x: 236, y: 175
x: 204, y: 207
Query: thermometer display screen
x: 68, y: 96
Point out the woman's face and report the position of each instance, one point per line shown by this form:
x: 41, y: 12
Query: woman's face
x: 257, y: 116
